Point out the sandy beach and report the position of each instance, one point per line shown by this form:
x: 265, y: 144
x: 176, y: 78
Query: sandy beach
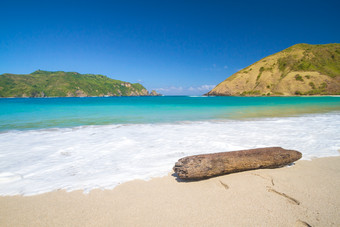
x: 305, y: 194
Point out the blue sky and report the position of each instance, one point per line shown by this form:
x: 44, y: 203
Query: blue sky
x: 175, y: 47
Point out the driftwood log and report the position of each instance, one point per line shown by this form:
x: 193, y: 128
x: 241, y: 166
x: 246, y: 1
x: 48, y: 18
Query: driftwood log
x: 209, y: 165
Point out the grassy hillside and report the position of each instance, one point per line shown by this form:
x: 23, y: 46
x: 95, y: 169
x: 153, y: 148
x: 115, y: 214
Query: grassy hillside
x: 65, y: 84
x: 302, y: 69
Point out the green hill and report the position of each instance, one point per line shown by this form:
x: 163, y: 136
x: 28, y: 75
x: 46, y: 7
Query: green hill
x: 65, y: 84
x: 301, y: 69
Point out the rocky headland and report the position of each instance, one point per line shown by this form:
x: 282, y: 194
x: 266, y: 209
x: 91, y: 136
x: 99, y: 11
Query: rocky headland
x: 301, y: 69
x: 67, y: 84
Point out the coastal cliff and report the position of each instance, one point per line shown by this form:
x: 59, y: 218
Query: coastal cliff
x: 301, y: 69
x: 66, y: 84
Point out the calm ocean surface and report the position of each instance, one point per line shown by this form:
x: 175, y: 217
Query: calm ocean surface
x: 48, y: 144
x: 39, y: 113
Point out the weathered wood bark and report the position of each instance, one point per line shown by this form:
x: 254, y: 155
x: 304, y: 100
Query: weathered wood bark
x: 209, y: 165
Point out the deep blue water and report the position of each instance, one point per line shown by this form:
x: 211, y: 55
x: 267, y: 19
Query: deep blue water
x: 37, y: 113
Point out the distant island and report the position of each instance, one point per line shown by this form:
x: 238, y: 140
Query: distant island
x: 67, y: 84
x: 301, y: 69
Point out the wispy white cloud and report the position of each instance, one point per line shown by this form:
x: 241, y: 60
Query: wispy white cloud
x: 205, y: 87
x: 215, y: 67
x: 192, y: 90
x: 169, y: 89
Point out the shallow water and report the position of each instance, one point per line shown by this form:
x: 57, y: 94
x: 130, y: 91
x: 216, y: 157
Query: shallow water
x: 69, y: 144
x: 37, y: 113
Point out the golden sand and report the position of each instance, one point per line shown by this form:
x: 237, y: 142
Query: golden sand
x: 307, y: 193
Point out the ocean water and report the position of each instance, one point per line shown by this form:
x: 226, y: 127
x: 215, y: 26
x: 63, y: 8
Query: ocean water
x: 48, y: 144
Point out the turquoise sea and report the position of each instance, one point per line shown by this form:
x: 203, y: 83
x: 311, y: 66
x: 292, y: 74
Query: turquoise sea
x: 38, y: 113
x: 47, y: 144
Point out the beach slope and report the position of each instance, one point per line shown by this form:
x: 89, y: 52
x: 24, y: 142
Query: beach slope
x: 306, y: 193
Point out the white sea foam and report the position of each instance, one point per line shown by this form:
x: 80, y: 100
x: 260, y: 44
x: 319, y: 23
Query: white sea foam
x: 38, y: 161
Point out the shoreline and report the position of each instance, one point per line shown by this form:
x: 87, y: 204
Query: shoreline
x: 306, y: 192
x: 108, y: 96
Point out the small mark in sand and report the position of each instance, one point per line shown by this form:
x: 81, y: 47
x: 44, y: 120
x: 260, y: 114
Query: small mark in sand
x: 290, y: 199
x: 266, y: 178
x: 300, y: 223
x: 224, y: 185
